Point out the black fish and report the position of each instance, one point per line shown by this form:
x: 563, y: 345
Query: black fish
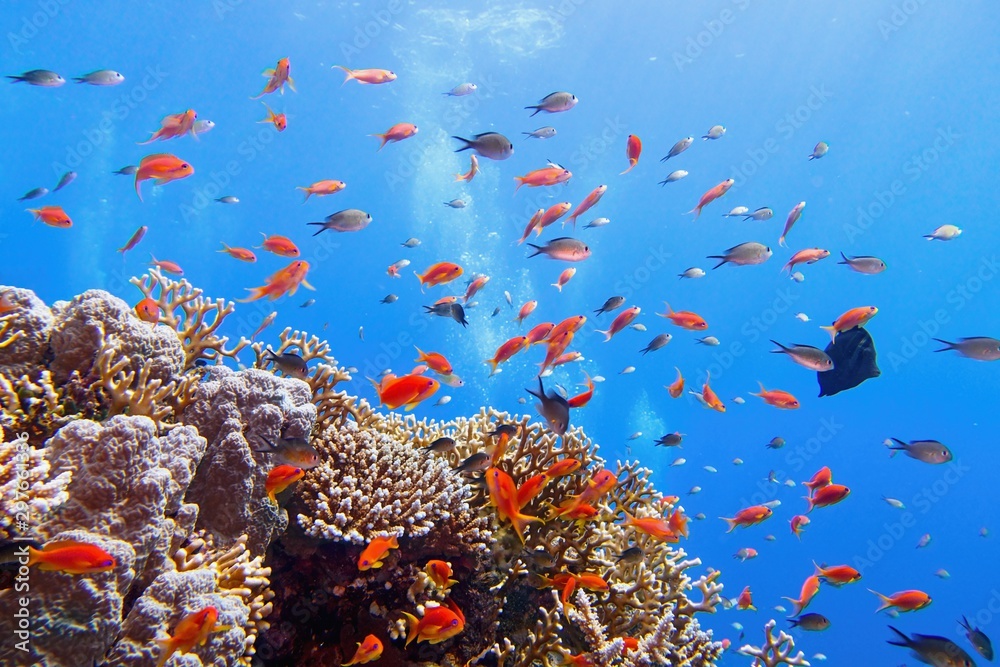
x: 458, y: 314
x: 553, y: 408
x: 854, y: 361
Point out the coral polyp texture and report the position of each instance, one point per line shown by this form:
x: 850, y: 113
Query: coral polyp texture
x: 117, y: 434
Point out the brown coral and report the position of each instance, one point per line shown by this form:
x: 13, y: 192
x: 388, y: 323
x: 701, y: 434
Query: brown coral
x: 28, y: 493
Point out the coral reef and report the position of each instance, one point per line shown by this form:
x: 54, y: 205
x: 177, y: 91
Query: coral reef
x: 775, y: 651
x: 137, y: 438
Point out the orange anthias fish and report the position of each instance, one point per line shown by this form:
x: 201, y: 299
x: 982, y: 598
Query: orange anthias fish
x: 710, y: 398
x: 807, y: 256
x: 570, y: 324
x: 166, y: 266
x: 588, y: 203
x: 439, y: 274
x: 397, y: 132
x: 408, y: 390
x: 809, y: 589
x: 191, y: 630
x: 527, y: 309
x: 601, y: 483
x: 904, y: 600
x: 556, y: 345
x: 503, y: 496
x: 822, y: 478
x: 175, y: 125
x: 285, y: 281
x: 322, y: 188
x: 563, y: 467
x: 436, y: 361
x: 162, y: 168
x: 279, y: 245
x: 148, y: 310
x: 777, y: 398
x: 550, y: 215
x: 71, y: 557
x: 530, y: 488
x: 798, y: 522
x: 750, y: 516
x: 745, y: 601
x: 564, y: 278
x: 710, y: 196
x: 838, y: 575
x: 506, y: 351
x: 369, y: 650
x: 473, y: 170
x: 372, y: 556
x: 684, y: 318
x: 676, y: 388
x: 553, y: 174
x: 623, y: 319
x: 855, y: 317
x: 633, y: 148
x: 242, y: 254
x: 532, y: 223
x: 372, y: 76
x: 53, y: 216
x: 440, y: 573
x: 656, y: 527
x: 279, y: 76
x: 539, y: 332
x: 436, y: 625
x: 825, y: 496
x: 280, y: 478
x: 134, y: 240
x: 279, y: 120
x: 474, y: 286
x: 583, y: 397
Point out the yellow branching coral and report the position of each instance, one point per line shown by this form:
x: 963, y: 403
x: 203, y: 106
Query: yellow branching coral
x: 776, y: 650
x: 195, y: 318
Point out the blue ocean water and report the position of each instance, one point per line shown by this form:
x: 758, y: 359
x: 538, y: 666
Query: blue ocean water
x: 903, y: 92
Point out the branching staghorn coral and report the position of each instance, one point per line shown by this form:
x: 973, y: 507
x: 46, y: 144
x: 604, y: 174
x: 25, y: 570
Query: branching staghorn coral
x: 194, y: 318
x: 775, y: 651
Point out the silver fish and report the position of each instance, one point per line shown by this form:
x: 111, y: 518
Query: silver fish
x: 39, y: 77
x: 510, y: 300
x: 944, y: 233
x: 760, y: 214
x: 596, y: 222
x: 492, y: 145
x: 444, y: 400
x: 714, y: 132
x: 819, y: 151
x: 307, y: 303
x: 475, y: 463
x: 693, y: 272
x: 928, y: 451
x: 678, y: 148
x: 289, y: 363
x: 979, y: 348
x: 127, y: 170
x: 627, y: 370
x: 462, y: 89
x: 674, y: 176
x: 442, y: 445
x: 711, y: 341
x: 34, y: 194
x: 66, y: 179
x: 228, y: 199
x: 348, y: 220
x: 389, y: 298
x: 736, y: 212
x: 670, y: 440
x: 806, y: 356
x: 563, y: 248
x: 202, y: 126
x: 744, y: 254
x: 456, y: 203
x: 612, y: 303
x: 555, y: 102
x: 777, y: 442
x: 638, y: 326
x: 657, y: 342
x: 411, y: 242
x: 864, y: 264
x: 101, y: 77
x: 542, y: 133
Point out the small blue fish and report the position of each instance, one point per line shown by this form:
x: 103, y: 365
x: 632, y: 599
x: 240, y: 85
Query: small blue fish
x: 66, y: 179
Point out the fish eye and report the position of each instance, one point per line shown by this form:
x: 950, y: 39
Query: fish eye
x: 185, y: 166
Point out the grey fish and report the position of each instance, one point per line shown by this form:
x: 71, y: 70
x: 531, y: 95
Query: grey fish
x: 612, y: 303
x: 34, y: 194
x: 348, y: 220
x: 542, y: 133
x: 670, y: 440
x: 630, y: 555
x: 39, y: 77
x: 978, y: 639
x: 736, y: 212
x: 761, y: 214
x: 678, y: 148
x: 553, y: 408
x: 810, y: 622
x: 411, y: 242
x: 291, y: 451
x: 458, y: 314
x: 714, y: 132
x: 442, y: 445
x: 492, y: 145
x: 674, y: 176
x: 928, y: 451
x: 638, y: 326
x: 563, y: 248
x: 596, y: 222
x: 475, y: 463
x: 864, y: 264
x: 744, y: 254
x: 693, y: 272
x: 933, y: 650
x: 439, y: 309
x: 806, y: 356
x: 542, y: 558
x: 657, y: 342
x: 127, y: 170
x: 456, y: 203
x: 228, y: 199
x: 66, y: 179
x: 711, y: 341
x: 289, y: 363
x: 462, y: 89
x: 555, y: 102
x: 101, y: 77
x: 389, y: 298
x: 819, y: 151
x: 307, y: 303
x: 510, y: 301
x: 979, y: 348
x: 202, y: 126
x: 777, y: 442
x: 496, y: 311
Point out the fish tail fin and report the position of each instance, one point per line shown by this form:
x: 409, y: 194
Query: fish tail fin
x: 536, y: 108
x: 796, y: 603
x: 411, y: 624
x: 520, y: 181
x: 291, y: 84
x: 305, y: 190
x: 832, y: 330
x: 886, y: 602
x: 16, y: 79
x: 929, y: 237
x: 520, y: 521
x: 256, y: 293
x: 137, y: 182
x: 696, y: 210
x: 538, y: 250
x: 729, y: 522
x: 493, y: 366
x: 781, y: 241
x: 724, y: 260
x: 819, y: 570
x: 322, y: 227
x: 349, y: 74
x: 607, y: 334
x: 846, y: 261
x: 382, y: 138
x: 950, y: 346
x: 906, y: 641
x: 557, y: 286
x: 225, y: 247
x: 467, y: 146
x: 629, y: 169
x: 809, y: 499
